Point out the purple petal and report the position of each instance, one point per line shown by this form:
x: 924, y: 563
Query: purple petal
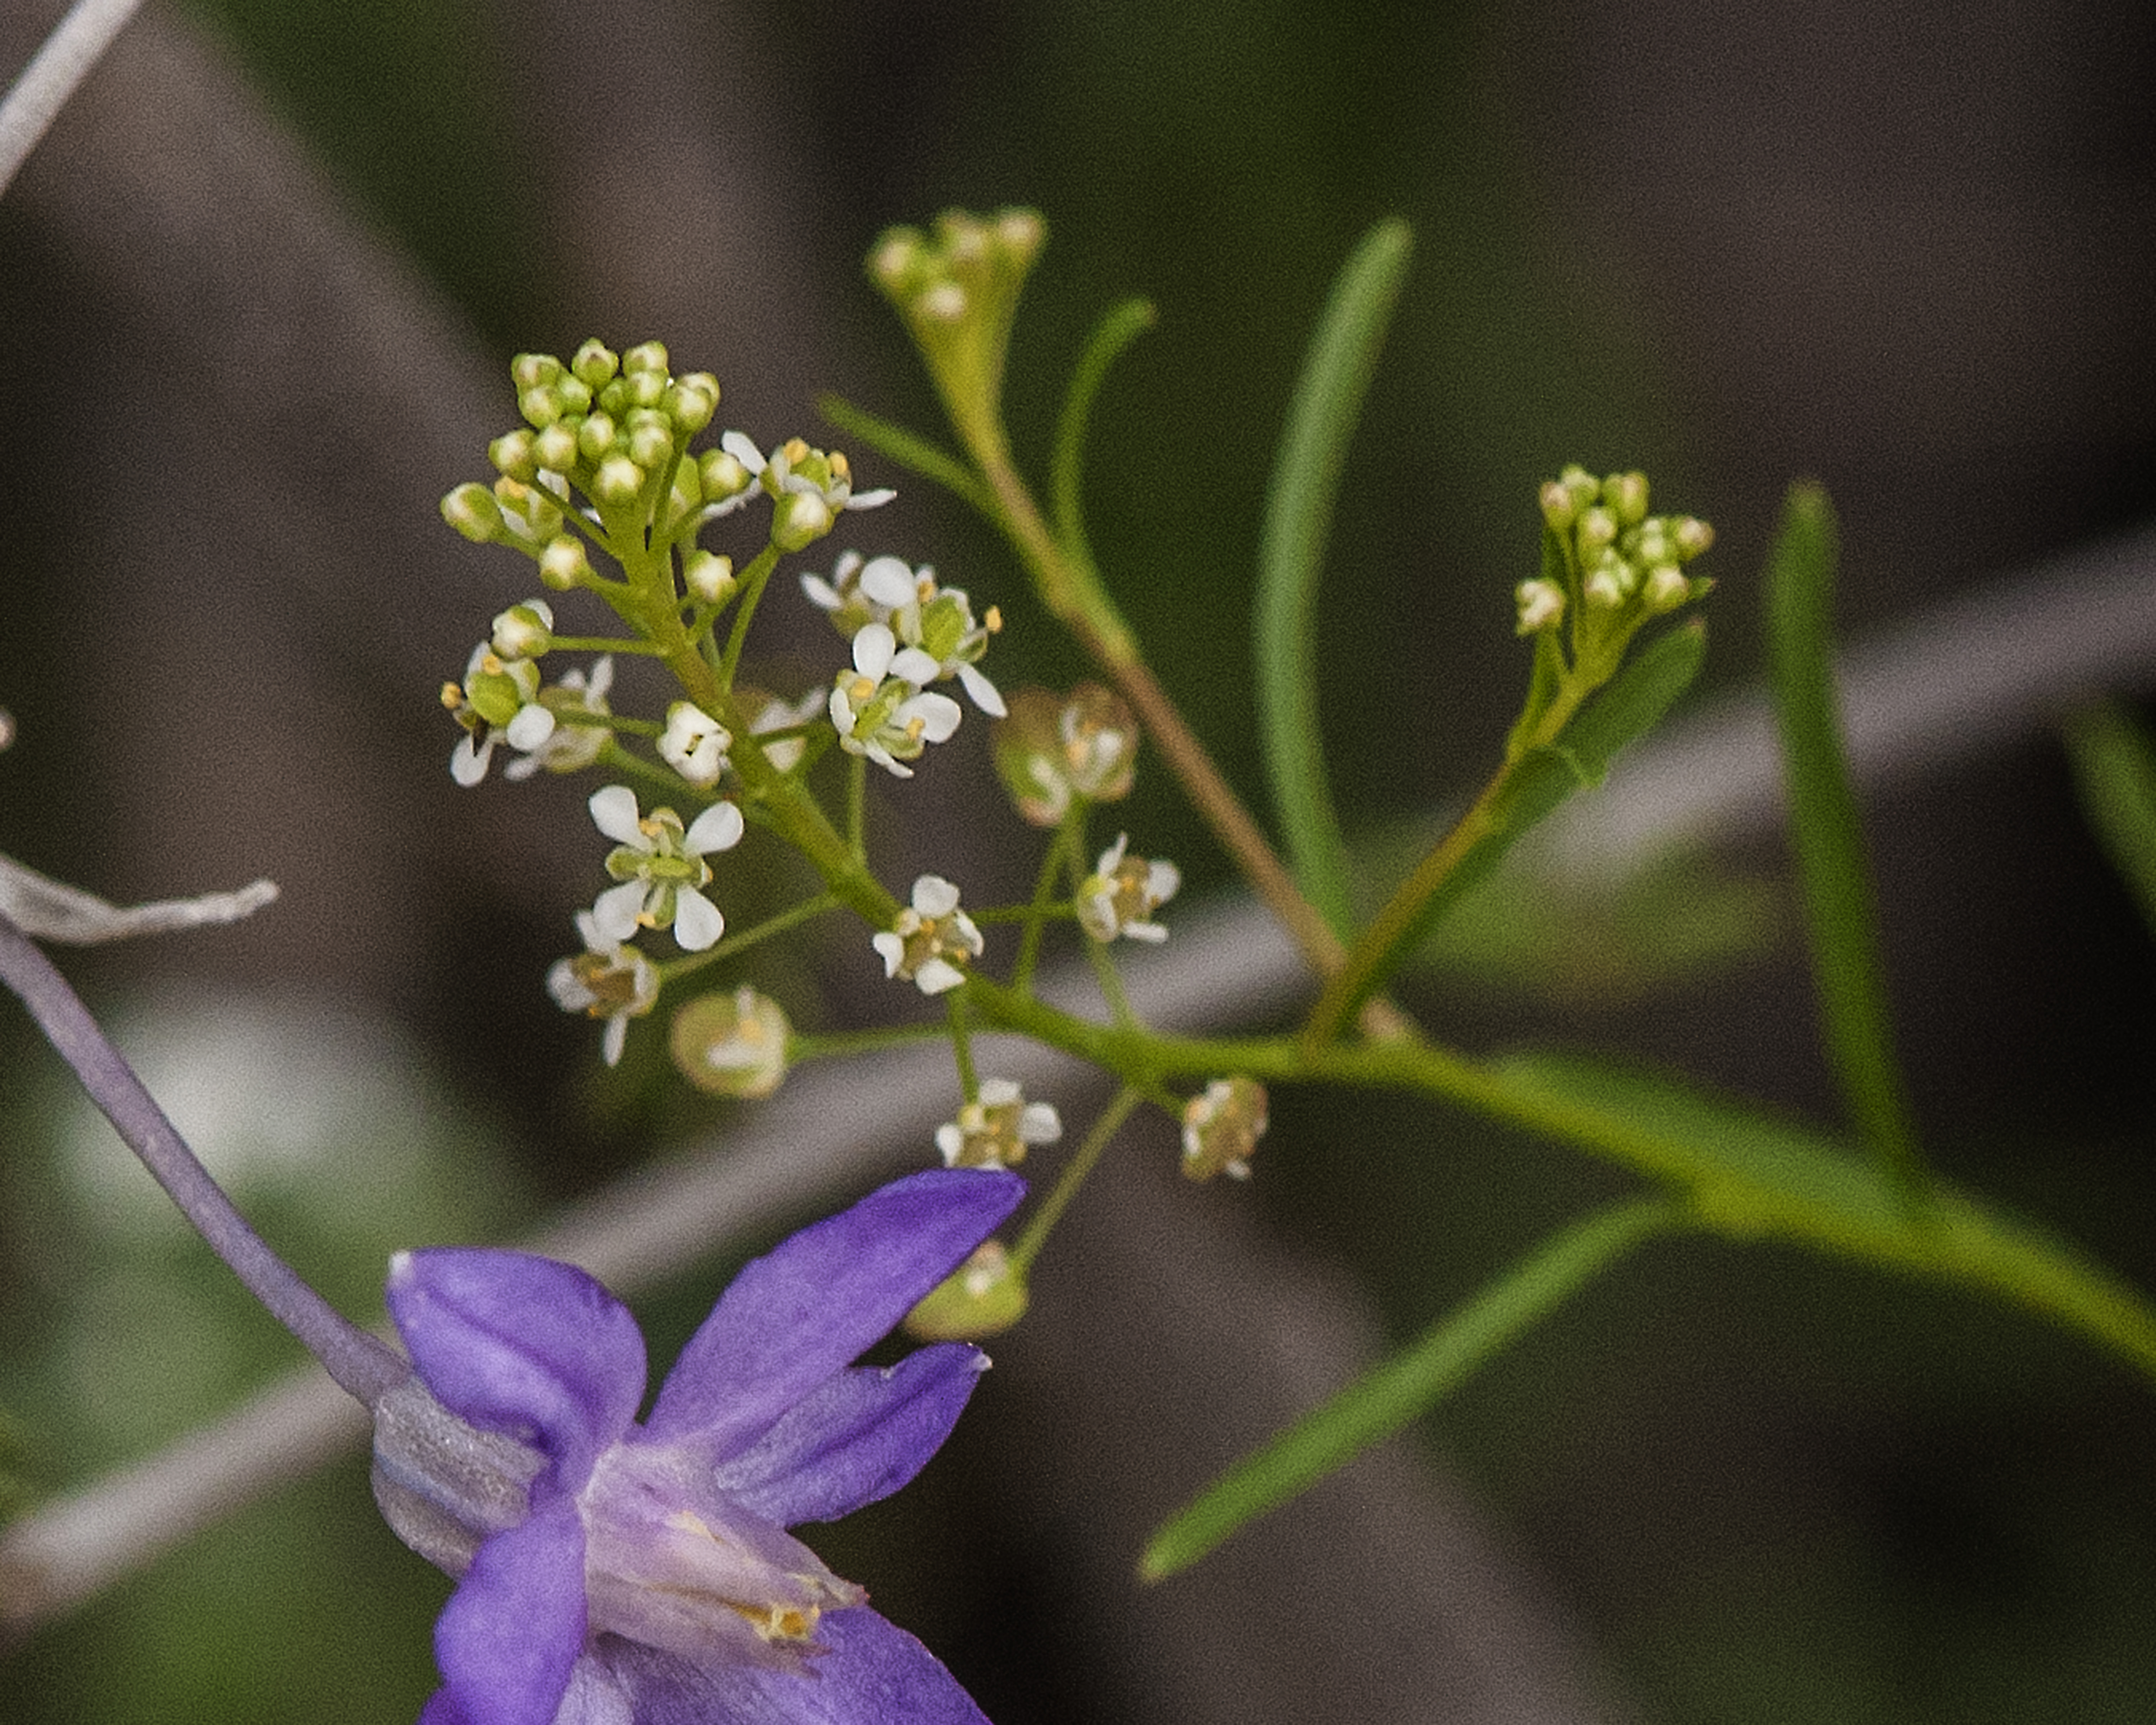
x: 512, y: 1632
x: 521, y: 1345
x: 857, y: 1437
x: 874, y: 1674
x: 800, y: 1315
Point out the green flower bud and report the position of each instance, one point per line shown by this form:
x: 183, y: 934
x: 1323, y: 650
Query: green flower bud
x: 575, y: 394
x: 650, y: 446
x: 595, y: 363
x: 524, y: 631
x: 595, y: 436
x: 1558, y: 508
x: 534, y: 371
x: 709, y: 577
x: 541, y: 406
x: 732, y: 1044
x: 1598, y: 529
x: 618, y: 480
x: 565, y: 563
x: 511, y: 454
x: 555, y: 449
x: 800, y: 520
x: 471, y: 509
x: 1582, y: 485
x: 645, y: 358
x: 691, y: 402
x: 1690, y: 537
x: 722, y: 475
x: 984, y: 1296
x: 1626, y: 496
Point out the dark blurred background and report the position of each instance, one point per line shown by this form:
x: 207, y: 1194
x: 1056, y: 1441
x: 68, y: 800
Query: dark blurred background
x: 257, y: 294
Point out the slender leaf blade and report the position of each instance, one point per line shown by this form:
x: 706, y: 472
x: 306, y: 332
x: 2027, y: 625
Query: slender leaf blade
x: 1840, y: 915
x: 1305, y: 480
x: 2115, y: 774
x: 910, y: 450
x: 1380, y: 1403
x: 1123, y: 325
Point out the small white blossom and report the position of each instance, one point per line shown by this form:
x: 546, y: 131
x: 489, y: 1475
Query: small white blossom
x: 661, y: 868
x: 570, y: 748
x: 1122, y: 894
x: 793, y: 469
x: 608, y: 980
x: 997, y: 1127
x: 929, y: 934
x: 499, y: 699
x: 1221, y: 1129
x: 879, y: 709
x: 694, y: 744
x: 936, y: 623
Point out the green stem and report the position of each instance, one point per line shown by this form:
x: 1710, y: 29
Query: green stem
x: 1081, y: 1164
x: 961, y: 1044
x: 805, y: 911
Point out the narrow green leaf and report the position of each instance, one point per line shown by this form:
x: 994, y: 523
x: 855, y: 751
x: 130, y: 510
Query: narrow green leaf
x: 1123, y: 324
x: 916, y: 454
x: 1306, y: 479
x: 2115, y: 773
x: 1751, y: 1175
x: 1379, y: 1404
x: 1841, y: 919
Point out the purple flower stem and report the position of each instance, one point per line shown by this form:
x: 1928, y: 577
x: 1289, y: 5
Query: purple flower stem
x: 364, y: 1365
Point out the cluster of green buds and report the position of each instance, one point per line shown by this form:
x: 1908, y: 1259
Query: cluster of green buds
x: 611, y: 428
x: 1614, y: 565
x: 957, y: 287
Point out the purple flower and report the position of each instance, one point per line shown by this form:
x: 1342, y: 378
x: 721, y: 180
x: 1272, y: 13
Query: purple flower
x: 614, y: 1573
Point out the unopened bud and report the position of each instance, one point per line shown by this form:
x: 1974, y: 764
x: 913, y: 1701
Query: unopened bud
x: 555, y: 447
x: 722, y: 475
x: 645, y: 356
x: 595, y: 435
x: 511, y: 455
x: 1666, y: 588
x: 709, y: 577
x: 619, y: 481
x: 1626, y: 496
x: 650, y: 445
x: 1541, y: 604
x: 800, y: 519
x: 524, y: 631
x: 534, y: 371
x: 1558, y: 508
x: 982, y: 1296
x: 732, y: 1044
x: 565, y: 563
x: 1598, y: 530
x: 471, y: 509
x: 595, y: 363
x: 1690, y: 537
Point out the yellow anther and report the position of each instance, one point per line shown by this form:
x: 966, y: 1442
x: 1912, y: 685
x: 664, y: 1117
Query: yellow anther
x: 453, y: 697
x: 994, y: 622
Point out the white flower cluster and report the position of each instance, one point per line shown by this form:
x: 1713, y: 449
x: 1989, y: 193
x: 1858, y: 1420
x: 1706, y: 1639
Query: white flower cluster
x: 908, y: 633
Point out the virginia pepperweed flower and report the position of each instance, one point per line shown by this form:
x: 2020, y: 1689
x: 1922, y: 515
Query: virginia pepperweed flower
x: 618, y: 1573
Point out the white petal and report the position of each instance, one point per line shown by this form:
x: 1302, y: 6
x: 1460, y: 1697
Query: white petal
x: 912, y: 665
x: 939, y: 715
x: 937, y: 977
x: 950, y: 1141
x: 1111, y: 859
x: 892, y: 948
x: 889, y: 581
x: 611, y: 1046
x: 821, y: 593
x: 1163, y: 881
x: 588, y: 930
x: 614, y: 912
x: 468, y: 763
x: 742, y: 448
x: 532, y: 725
x: 995, y: 1092
x: 884, y: 758
x: 874, y: 646
x: 871, y: 500
x: 1151, y: 933
x: 1038, y: 1123
x: 567, y: 987
x: 985, y: 693
x: 601, y: 680
x: 697, y: 922
x: 718, y: 827
x: 935, y: 896
x: 614, y: 813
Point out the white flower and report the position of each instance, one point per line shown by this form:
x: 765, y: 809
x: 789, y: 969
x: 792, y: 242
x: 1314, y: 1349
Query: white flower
x: 936, y: 623
x: 570, y: 748
x: 1221, y: 1129
x: 499, y: 698
x: 879, y: 708
x: 1122, y: 894
x: 795, y: 468
x: 608, y: 980
x: 661, y: 868
x: 997, y: 1127
x: 928, y: 936
x: 694, y: 744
